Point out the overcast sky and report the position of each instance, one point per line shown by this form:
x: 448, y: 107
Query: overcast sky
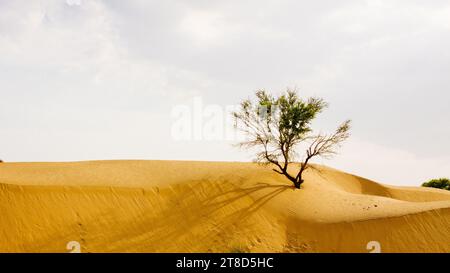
x: 88, y: 79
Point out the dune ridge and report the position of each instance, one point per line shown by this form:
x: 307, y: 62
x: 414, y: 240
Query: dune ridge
x: 192, y: 206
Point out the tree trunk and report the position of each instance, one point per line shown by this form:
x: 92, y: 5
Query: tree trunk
x: 298, y: 182
x: 299, y: 179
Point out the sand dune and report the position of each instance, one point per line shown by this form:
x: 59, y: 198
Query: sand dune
x: 175, y: 206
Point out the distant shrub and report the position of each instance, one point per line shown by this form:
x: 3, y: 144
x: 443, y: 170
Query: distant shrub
x: 441, y: 183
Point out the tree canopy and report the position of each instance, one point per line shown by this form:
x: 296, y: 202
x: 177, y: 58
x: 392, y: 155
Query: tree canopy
x: 277, y: 125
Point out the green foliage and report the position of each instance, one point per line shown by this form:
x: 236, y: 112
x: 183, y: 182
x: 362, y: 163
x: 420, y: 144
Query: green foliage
x: 441, y: 183
x: 277, y: 125
x: 296, y: 114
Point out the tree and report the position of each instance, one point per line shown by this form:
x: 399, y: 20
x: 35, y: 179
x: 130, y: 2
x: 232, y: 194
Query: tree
x: 277, y: 125
x: 441, y: 183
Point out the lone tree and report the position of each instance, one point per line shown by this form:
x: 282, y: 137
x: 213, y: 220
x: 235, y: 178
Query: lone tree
x: 441, y: 183
x: 277, y: 125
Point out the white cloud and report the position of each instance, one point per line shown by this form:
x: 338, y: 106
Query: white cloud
x: 73, y: 2
x: 203, y: 27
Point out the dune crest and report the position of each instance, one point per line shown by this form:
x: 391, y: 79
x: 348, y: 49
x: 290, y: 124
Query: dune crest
x: 186, y: 206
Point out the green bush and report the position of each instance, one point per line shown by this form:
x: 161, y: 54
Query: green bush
x: 441, y: 183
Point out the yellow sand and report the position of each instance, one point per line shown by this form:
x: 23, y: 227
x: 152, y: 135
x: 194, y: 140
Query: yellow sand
x: 176, y: 206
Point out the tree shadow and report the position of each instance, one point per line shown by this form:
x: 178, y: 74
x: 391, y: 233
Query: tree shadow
x: 177, y: 221
x: 243, y: 192
x: 189, y: 217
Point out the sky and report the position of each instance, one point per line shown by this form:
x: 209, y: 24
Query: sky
x: 92, y: 80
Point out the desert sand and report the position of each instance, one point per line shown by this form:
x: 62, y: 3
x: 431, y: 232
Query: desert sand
x: 184, y: 206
